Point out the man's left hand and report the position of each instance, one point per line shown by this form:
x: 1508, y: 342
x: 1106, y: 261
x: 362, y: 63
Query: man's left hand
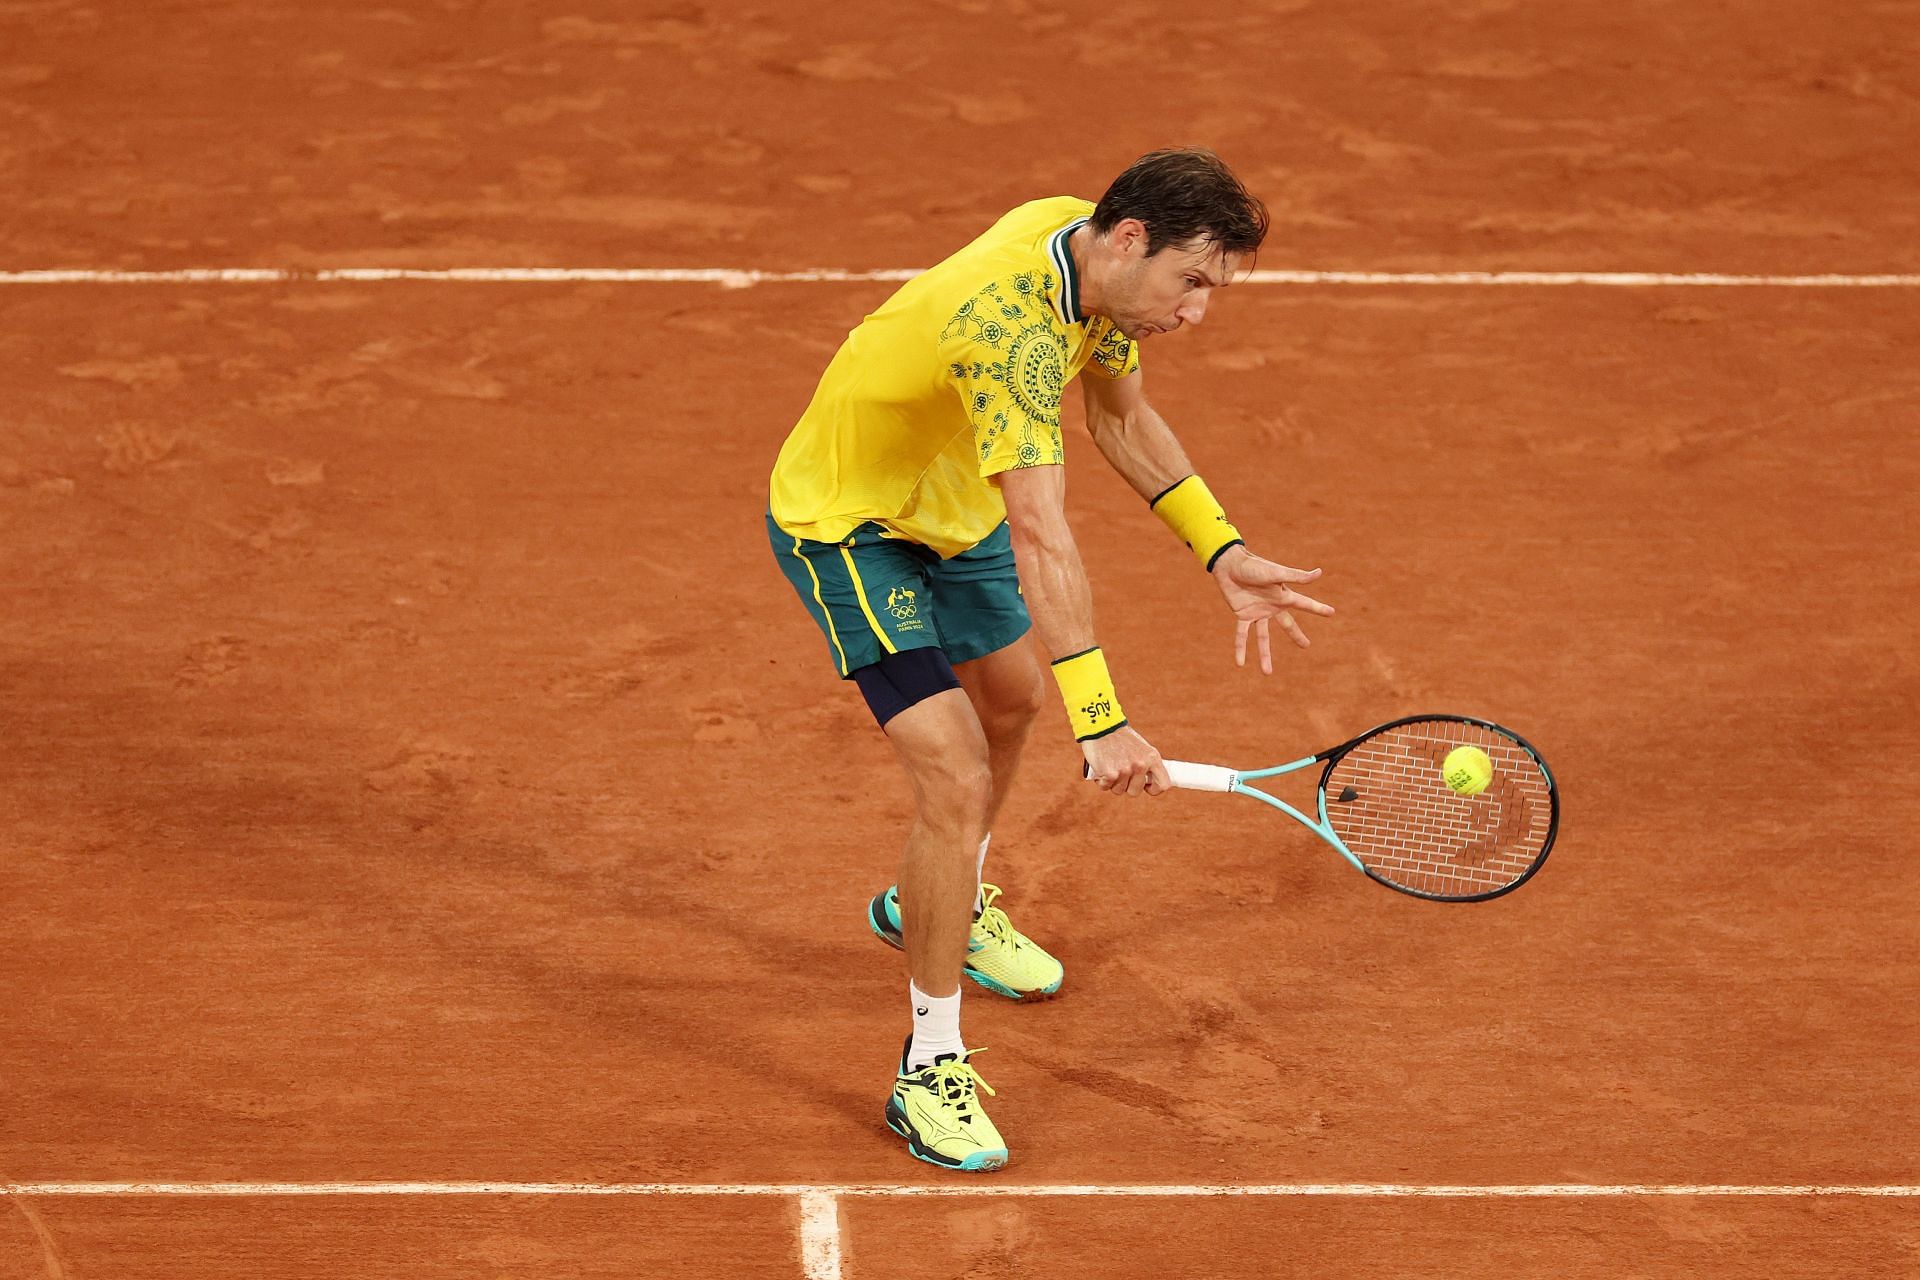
x: 1258, y: 591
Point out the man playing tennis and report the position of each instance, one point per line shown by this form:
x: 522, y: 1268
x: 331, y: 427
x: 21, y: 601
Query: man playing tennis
x: 918, y: 510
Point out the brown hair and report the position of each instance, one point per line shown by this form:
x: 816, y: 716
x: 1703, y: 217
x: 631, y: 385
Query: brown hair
x: 1182, y: 193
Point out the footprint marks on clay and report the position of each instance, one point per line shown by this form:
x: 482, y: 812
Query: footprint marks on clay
x: 547, y: 110
x: 431, y: 574
x: 128, y: 448
x: 620, y: 664
x: 266, y: 529
x: 606, y: 683
x: 428, y: 767
x: 132, y: 373
x: 299, y: 473
x: 34, y: 480
x: 379, y: 634
x: 211, y: 661
x: 724, y: 728
x: 845, y: 64
x: 685, y: 25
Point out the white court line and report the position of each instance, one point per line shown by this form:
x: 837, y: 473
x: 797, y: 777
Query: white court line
x: 742, y: 278
x: 828, y: 1191
x: 820, y: 1236
x: 820, y: 1224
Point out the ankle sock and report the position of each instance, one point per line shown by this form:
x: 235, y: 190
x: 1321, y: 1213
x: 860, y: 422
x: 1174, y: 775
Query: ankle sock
x: 936, y: 1027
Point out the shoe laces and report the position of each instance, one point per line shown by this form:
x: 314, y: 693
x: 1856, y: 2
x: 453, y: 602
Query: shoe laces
x: 993, y: 921
x: 954, y: 1081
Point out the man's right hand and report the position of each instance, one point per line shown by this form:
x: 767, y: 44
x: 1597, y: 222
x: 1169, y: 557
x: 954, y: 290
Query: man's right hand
x: 1125, y: 764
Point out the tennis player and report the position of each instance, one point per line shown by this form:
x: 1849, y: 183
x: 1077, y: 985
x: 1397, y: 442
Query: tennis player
x: 918, y: 510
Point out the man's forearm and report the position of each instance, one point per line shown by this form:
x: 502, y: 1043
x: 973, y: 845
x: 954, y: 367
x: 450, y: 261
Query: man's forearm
x: 1143, y: 449
x: 1054, y: 584
x: 1139, y: 444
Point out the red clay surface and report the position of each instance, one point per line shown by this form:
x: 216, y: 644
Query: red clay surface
x: 414, y: 768
x: 1338, y: 1240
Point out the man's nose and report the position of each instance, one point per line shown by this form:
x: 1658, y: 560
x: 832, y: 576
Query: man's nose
x: 1194, y: 309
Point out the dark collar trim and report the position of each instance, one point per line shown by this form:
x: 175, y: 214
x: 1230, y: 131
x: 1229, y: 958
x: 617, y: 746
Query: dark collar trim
x: 1066, y: 299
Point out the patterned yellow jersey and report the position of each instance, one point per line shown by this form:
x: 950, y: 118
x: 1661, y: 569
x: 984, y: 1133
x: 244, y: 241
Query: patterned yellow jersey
x: 955, y: 379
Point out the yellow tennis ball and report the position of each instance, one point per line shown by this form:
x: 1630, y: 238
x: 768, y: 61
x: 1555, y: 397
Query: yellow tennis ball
x: 1467, y: 770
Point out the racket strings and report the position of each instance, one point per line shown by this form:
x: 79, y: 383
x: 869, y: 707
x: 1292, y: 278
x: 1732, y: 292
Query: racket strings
x: 1408, y: 827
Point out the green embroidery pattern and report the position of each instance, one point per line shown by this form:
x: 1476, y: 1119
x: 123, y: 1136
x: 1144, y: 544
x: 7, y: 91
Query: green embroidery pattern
x: 1114, y: 352
x: 1017, y: 371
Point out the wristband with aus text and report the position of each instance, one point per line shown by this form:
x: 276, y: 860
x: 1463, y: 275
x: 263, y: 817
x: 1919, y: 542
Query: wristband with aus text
x: 1087, y: 690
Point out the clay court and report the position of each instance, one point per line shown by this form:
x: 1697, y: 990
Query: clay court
x: 436, y: 841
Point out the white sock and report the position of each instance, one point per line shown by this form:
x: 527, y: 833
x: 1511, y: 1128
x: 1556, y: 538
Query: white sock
x: 980, y: 873
x: 936, y: 1027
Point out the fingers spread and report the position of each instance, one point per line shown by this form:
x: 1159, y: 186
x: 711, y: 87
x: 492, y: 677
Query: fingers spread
x: 1308, y: 604
x: 1263, y: 571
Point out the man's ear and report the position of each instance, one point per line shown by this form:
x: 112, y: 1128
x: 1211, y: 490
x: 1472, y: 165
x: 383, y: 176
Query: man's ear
x: 1129, y: 237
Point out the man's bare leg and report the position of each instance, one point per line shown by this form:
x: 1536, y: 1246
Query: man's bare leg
x: 944, y: 750
x: 933, y: 1104
x: 1006, y: 690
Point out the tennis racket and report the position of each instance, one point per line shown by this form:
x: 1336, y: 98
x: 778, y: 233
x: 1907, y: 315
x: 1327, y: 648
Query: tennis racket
x: 1385, y: 806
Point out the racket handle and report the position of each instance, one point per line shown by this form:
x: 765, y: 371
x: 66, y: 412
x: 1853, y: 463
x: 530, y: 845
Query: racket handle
x: 1200, y: 777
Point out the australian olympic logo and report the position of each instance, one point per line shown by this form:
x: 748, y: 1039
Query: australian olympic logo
x: 900, y: 603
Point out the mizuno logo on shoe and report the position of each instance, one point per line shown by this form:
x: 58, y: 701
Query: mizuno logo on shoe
x: 928, y: 1118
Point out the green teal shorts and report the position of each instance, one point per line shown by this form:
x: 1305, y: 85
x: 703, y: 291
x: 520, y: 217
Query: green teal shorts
x: 873, y: 595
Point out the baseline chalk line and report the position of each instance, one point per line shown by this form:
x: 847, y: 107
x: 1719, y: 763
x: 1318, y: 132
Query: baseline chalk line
x: 821, y: 1228
x: 744, y: 278
x: 820, y: 1236
x: 818, y: 1193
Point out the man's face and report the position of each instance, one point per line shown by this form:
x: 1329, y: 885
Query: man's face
x: 1158, y: 294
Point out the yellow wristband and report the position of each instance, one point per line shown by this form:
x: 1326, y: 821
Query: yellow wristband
x: 1189, y: 509
x: 1087, y: 690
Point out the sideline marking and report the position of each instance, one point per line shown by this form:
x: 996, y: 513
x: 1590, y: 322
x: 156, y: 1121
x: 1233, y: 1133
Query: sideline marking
x: 827, y: 1192
x: 746, y: 278
x: 820, y: 1235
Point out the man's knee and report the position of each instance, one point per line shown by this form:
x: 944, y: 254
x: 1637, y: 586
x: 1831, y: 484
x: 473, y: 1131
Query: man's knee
x: 956, y: 789
x: 1012, y: 706
x: 938, y: 736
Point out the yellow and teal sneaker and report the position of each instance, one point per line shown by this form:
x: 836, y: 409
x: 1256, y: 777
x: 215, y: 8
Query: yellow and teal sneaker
x: 999, y: 957
x: 937, y: 1110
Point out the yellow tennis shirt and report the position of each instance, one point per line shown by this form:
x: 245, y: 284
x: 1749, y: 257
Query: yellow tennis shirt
x: 956, y: 378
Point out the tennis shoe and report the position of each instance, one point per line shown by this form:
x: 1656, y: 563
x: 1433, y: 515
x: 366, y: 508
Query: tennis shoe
x: 937, y: 1110
x: 999, y: 957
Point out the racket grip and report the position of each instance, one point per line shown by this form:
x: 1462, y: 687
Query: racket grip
x: 1200, y: 777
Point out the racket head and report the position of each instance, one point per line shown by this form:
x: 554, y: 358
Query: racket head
x: 1383, y: 795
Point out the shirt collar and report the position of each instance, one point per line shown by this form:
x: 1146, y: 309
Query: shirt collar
x: 1066, y: 299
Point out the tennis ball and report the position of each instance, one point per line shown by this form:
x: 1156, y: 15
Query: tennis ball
x: 1467, y: 770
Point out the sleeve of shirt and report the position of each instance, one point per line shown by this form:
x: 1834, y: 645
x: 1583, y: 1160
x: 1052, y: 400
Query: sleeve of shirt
x: 1007, y: 360
x: 1114, y: 354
